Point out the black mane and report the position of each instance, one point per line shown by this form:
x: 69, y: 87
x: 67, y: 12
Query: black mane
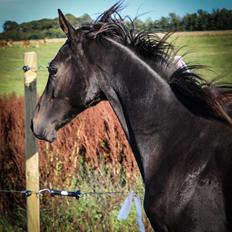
x: 199, y: 96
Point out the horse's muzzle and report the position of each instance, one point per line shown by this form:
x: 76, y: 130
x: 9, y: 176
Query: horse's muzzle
x: 47, y: 133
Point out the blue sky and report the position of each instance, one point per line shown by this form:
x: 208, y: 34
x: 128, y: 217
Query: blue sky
x: 27, y: 10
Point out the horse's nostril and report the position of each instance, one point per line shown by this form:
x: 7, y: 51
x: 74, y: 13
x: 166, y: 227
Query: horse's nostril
x: 32, y: 127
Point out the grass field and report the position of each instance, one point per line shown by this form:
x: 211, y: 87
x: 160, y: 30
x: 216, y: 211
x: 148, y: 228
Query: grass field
x: 211, y: 48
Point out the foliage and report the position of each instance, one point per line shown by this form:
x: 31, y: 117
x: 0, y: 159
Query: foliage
x: 93, y: 157
x: 39, y: 29
x: 219, y: 19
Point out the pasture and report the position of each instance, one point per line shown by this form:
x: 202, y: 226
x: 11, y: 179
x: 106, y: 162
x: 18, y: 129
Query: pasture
x: 73, y: 157
x: 213, y: 49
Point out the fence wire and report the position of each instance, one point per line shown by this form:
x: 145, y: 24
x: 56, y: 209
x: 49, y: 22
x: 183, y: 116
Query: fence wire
x: 55, y: 192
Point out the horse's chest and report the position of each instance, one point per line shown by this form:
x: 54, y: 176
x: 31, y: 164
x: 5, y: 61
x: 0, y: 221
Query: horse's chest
x: 162, y: 199
x: 193, y: 203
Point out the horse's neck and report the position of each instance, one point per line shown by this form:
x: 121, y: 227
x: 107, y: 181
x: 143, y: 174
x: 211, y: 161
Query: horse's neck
x: 141, y: 99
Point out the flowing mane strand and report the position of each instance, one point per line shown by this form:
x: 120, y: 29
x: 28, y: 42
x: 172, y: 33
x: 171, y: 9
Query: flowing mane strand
x: 199, y: 96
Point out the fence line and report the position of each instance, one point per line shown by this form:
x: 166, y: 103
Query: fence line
x: 56, y: 192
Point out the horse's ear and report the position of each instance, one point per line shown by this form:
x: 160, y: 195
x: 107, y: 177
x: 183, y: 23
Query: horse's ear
x: 67, y: 28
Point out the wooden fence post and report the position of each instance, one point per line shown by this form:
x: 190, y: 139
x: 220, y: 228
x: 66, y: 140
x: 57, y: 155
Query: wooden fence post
x: 31, y: 150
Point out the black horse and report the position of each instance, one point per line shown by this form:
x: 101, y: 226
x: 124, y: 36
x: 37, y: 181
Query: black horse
x: 177, y: 124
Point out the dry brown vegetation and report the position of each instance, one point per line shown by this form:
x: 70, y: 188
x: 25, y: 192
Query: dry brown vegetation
x: 93, y: 140
x: 6, y: 43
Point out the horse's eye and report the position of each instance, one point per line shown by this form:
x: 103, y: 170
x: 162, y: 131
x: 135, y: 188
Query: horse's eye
x: 52, y: 70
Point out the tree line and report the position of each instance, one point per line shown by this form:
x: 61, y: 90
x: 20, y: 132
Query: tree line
x: 219, y: 19
x: 39, y: 29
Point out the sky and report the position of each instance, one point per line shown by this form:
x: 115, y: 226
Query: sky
x: 28, y: 10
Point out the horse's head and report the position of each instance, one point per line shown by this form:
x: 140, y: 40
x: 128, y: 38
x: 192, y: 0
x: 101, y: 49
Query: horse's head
x: 71, y: 86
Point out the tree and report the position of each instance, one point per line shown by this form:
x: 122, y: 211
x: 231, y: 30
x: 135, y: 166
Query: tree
x: 174, y: 21
x: 164, y: 23
x: 139, y: 25
x: 203, y: 20
x: 10, y: 25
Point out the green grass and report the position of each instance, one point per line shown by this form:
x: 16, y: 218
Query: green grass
x: 11, y: 62
x: 88, y: 213
x: 213, y: 50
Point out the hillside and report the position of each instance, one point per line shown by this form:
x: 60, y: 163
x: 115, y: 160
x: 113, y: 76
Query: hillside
x: 39, y: 29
